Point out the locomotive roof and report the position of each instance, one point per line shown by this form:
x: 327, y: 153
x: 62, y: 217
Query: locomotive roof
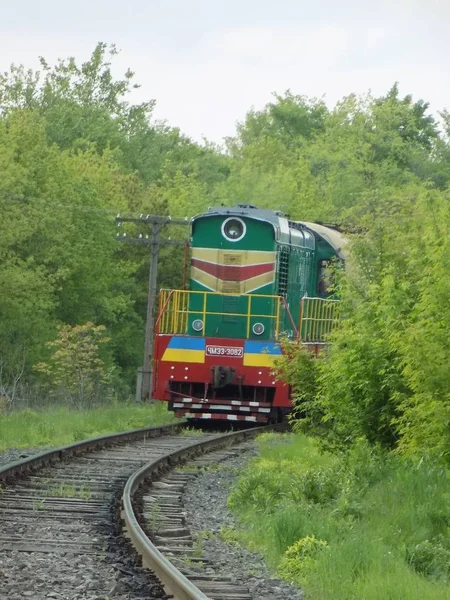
x: 336, y: 239
x: 244, y: 210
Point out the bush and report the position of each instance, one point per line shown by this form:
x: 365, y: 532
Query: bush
x: 431, y: 559
x: 385, y: 376
x: 320, y: 485
x: 362, y: 524
x: 77, y: 370
x: 298, y: 560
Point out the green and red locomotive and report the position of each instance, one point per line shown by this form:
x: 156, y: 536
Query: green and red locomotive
x: 255, y: 277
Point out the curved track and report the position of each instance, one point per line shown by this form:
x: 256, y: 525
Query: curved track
x: 60, y: 512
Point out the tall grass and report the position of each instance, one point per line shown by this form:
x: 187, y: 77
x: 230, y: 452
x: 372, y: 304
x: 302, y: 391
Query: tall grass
x: 55, y: 427
x: 367, y: 526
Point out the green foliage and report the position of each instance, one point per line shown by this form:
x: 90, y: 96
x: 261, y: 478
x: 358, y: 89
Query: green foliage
x: 73, y: 153
x: 76, y: 370
x: 431, y: 559
x: 316, y: 163
x: 54, y: 206
x: 300, y: 557
x: 300, y: 369
x: 290, y: 119
x: 364, y: 524
x: 384, y: 376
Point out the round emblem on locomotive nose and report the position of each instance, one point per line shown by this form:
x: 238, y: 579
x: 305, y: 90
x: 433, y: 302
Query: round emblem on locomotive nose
x: 233, y: 229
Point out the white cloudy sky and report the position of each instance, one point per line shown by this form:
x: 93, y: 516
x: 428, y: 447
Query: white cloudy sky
x: 207, y: 62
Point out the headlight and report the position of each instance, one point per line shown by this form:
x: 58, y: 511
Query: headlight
x: 258, y: 328
x: 233, y: 229
x: 197, y: 325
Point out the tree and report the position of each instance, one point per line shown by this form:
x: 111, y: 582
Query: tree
x: 385, y: 375
x: 290, y: 119
x: 76, y: 369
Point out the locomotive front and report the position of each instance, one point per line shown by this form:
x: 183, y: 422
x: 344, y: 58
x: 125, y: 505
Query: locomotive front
x: 216, y: 343
x: 253, y: 278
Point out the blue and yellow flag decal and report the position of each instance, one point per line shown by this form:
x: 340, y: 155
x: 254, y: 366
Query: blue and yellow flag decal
x: 185, y: 349
x: 260, y: 354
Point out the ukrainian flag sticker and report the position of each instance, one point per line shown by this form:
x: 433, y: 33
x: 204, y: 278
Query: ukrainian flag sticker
x: 185, y: 349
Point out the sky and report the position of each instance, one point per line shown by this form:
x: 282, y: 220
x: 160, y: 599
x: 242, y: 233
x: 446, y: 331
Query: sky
x: 207, y: 62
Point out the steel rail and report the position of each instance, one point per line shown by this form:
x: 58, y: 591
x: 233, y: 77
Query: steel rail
x: 58, y: 454
x: 176, y: 583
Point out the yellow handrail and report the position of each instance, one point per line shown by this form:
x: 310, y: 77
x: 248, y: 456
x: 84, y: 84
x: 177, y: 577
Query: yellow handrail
x: 175, y: 307
x: 277, y: 322
x: 318, y: 317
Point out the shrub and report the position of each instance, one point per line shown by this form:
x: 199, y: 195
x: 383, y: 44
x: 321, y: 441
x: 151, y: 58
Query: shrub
x: 430, y: 558
x: 77, y: 369
x: 319, y: 485
x: 361, y: 524
x: 300, y: 557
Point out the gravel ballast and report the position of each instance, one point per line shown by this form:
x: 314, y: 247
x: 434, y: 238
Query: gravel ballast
x: 205, y: 503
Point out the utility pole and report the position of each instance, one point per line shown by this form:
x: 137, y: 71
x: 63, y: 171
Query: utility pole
x: 150, y: 320
x: 145, y: 374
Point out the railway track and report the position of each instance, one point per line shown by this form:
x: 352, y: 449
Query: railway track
x: 67, y: 518
x: 161, y: 513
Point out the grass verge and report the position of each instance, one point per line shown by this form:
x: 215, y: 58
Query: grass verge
x: 57, y: 427
x: 367, y: 526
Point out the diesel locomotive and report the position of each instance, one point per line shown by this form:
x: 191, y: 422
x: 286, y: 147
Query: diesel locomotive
x: 255, y: 277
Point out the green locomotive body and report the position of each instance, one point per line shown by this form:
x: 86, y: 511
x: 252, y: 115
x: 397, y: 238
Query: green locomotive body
x: 255, y: 277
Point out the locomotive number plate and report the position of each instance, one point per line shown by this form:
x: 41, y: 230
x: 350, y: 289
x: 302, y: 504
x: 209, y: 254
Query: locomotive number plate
x: 229, y: 351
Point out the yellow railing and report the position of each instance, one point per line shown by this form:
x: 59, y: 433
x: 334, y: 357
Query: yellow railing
x: 318, y: 317
x: 177, y: 307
